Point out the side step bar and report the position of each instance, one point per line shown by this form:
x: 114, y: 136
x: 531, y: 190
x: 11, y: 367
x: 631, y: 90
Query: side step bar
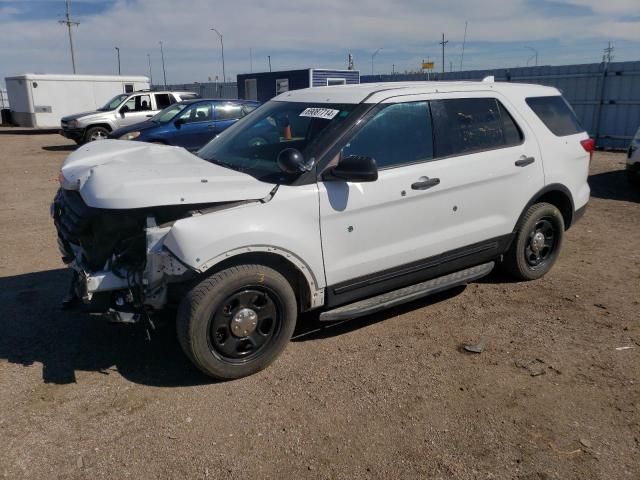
x: 406, y: 294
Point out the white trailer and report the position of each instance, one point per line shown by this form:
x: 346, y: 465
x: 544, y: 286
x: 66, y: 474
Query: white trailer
x: 41, y: 100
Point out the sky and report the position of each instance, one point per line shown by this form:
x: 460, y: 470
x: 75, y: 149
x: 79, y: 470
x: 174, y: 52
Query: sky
x: 305, y: 33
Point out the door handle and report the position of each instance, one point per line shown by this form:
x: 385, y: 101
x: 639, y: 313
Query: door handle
x: 425, y: 182
x: 524, y: 161
x: 210, y: 127
x: 148, y: 116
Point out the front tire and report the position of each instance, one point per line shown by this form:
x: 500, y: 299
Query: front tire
x: 96, y: 133
x: 237, y: 321
x: 537, y: 243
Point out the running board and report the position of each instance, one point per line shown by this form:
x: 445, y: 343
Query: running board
x: 406, y: 294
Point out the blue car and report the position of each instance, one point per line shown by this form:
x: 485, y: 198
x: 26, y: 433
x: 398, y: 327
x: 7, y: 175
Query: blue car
x: 189, y: 124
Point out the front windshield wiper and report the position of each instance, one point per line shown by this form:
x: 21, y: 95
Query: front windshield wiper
x: 230, y: 166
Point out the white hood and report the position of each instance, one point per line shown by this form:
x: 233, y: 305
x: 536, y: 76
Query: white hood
x: 118, y: 174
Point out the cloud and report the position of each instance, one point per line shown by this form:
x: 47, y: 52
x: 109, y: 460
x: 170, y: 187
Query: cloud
x: 302, y: 33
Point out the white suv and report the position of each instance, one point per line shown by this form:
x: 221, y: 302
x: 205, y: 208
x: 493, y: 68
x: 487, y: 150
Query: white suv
x: 347, y: 199
x: 122, y: 110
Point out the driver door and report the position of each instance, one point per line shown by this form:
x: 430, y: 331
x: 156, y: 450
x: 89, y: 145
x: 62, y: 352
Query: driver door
x: 371, y: 227
x: 136, y: 109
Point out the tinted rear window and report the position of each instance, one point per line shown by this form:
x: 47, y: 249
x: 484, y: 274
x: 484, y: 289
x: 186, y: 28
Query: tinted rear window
x: 468, y: 125
x: 556, y: 114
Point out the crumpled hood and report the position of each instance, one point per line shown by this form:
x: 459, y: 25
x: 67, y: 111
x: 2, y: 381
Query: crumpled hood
x: 118, y: 174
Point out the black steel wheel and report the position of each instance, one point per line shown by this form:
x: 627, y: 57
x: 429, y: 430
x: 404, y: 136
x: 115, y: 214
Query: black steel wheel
x: 237, y: 321
x: 537, y: 243
x: 245, y: 323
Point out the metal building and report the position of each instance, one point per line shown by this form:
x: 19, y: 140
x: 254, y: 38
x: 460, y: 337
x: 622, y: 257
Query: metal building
x: 265, y: 85
x: 605, y: 96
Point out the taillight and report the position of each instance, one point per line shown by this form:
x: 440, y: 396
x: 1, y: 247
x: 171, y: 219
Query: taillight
x: 589, y: 146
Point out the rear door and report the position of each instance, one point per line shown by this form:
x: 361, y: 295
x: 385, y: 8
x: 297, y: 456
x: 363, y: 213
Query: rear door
x: 489, y: 166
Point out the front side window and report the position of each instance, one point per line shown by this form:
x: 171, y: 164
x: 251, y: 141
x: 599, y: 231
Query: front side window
x: 138, y: 103
x: 556, y: 114
x: 252, y: 144
x: 169, y: 113
x: 202, y: 112
x: 399, y: 134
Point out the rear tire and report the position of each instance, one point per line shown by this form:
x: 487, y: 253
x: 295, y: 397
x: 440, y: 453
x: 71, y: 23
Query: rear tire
x: 96, y: 133
x: 537, y: 244
x: 237, y: 321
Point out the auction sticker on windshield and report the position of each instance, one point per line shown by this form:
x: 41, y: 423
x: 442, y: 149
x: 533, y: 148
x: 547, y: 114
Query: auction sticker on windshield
x: 326, y: 113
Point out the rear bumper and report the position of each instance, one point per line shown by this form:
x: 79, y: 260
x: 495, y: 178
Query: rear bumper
x: 72, y: 133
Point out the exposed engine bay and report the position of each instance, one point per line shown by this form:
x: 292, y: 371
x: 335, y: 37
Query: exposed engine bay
x: 121, y: 265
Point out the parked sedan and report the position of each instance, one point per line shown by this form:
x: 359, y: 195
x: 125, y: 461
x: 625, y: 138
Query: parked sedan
x: 189, y: 124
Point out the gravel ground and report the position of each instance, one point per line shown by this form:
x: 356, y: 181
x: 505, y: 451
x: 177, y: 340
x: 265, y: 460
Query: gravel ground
x: 387, y: 396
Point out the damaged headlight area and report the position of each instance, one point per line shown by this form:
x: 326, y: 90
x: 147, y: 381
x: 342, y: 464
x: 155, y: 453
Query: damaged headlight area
x: 121, y: 266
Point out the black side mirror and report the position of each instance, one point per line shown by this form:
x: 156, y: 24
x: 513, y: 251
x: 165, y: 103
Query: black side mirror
x: 179, y: 122
x: 124, y: 110
x: 291, y: 160
x: 354, y: 168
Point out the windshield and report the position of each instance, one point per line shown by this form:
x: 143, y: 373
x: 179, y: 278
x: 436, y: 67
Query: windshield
x: 252, y: 145
x: 114, y: 102
x: 169, y: 112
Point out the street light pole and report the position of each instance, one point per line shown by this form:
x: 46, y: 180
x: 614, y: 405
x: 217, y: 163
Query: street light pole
x: 374, y: 56
x: 118, y: 50
x: 164, y: 73
x: 150, y: 72
x: 224, y: 77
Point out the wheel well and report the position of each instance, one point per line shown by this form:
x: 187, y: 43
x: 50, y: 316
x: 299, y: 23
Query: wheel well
x: 103, y: 125
x: 561, y: 201
x: 293, y: 275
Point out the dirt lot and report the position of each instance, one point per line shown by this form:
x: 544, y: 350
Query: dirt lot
x: 387, y: 396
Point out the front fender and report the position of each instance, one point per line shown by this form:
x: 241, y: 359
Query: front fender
x: 287, y: 225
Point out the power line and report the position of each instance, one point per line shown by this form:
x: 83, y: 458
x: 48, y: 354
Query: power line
x: 68, y: 22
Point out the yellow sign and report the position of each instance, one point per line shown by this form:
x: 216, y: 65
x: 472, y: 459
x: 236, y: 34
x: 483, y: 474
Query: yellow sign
x: 427, y: 65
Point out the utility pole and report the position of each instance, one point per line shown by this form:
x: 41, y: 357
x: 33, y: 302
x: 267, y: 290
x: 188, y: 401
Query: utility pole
x: 250, y: 60
x: 608, y: 51
x: 118, y: 50
x: 224, y: 77
x: 393, y: 69
x: 269, y: 57
x: 443, y: 43
x: 164, y: 73
x: 150, y: 72
x: 68, y: 22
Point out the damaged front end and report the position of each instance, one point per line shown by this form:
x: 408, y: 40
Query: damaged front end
x: 122, y: 269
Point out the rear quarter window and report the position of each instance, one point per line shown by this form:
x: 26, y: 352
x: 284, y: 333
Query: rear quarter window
x: 556, y: 114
